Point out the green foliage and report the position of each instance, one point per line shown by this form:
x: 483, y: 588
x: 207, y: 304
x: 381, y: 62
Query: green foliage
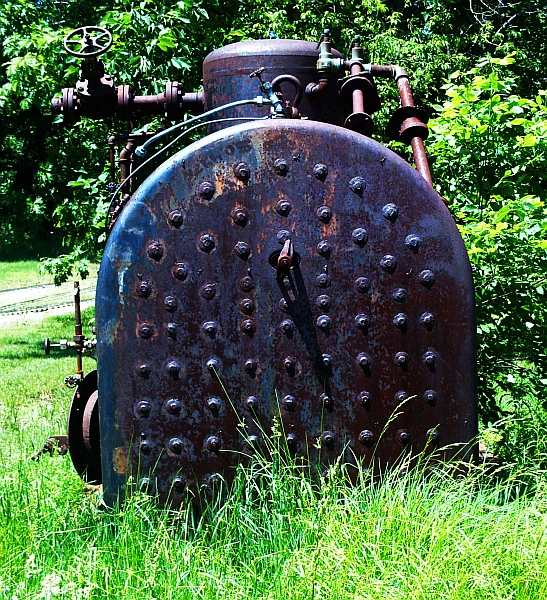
x: 413, y: 534
x: 489, y: 147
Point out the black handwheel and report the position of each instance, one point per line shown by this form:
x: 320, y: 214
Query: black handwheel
x: 88, y: 42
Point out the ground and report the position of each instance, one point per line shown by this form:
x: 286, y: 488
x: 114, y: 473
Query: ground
x: 415, y: 535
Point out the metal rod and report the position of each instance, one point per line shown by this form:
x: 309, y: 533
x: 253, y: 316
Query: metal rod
x: 78, y: 333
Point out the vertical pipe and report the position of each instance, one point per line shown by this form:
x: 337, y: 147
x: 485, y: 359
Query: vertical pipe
x: 78, y: 334
x: 358, y: 99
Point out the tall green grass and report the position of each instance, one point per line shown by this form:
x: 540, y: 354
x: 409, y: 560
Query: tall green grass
x: 430, y: 532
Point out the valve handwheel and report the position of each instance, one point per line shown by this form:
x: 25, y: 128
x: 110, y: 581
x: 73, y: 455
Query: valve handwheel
x: 88, y: 42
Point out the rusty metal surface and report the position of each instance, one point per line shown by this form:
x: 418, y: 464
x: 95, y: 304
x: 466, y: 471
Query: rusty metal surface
x: 226, y: 78
x: 371, y: 312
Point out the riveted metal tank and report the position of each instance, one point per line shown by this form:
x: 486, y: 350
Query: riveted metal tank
x: 226, y: 78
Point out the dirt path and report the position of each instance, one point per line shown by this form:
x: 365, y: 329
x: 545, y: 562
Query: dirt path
x: 36, y: 302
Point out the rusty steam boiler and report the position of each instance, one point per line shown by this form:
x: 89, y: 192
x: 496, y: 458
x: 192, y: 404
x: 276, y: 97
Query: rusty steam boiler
x: 285, y: 269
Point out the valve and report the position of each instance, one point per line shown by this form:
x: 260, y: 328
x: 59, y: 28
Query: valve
x: 89, y: 41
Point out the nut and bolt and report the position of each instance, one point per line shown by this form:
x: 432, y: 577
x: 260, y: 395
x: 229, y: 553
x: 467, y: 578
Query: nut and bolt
x: 320, y: 171
x: 206, y: 243
x: 281, y: 167
x: 155, y: 250
x: 359, y: 236
x: 206, y: 190
x: 390, y: 212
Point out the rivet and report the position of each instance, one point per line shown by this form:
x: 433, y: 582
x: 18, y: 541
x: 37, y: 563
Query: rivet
x: 282, y: 236
x: 240, y: 216
x: 324, y: 214
x: 366, y: 437
x: 144, y: 408
x: 145, y: 447
x: 250, y: 366
x: 287, y: 327
x: 243, y: 250
x: 292, y: 442
x: 206, y: 243
x: 326, y: 359
x: 246, y: 284
x: 323, y: 301
x: 364, y: 398
x: 170, y: 303
x: 290, y: 364
x: 400, y: 320
x: 400, y: 396
x: 283, y: 305
x: 208, y: 291
x: 322, y: 280
x: 176, y: 218
x: 413, y: 242
x: 145, y: 485
x: 326, y: 401
x: 429, y: 358
x: 180, y: 271
x: 283, y: 208
x: 362, y: 321
x: 252, y: 402
x: 206, y: 190
x: 390, y: 211
x: 357, y: 185
x: 323, y: 322
x: 173, y: 368
x: 246, y: 306
x: 427, y: 320
x: 320, y: 171
x: 324, y: 248
x: 427, y: 277
x: 280, y: 166
x: 404, y: 437
x: 401, y: 359
x: 175, y: 445
x: 214, y: 404
x: 430, y: 396
x: 143, y: 289
x: 172, y: 330
x: 179, y: 484
x: 289, y: 402
x: 433, y: 435
x: 328, y: 438
x: 253, y: 440
x: 399, y: 294
x: 359, y: 236
x: 363, y: 359
x: 213, y: 443
x: 155, y: 250
x: 242, y: 171
x: 210, y: 328
x: 144, y: 370
x: 362, y: 284
x: 248, y: 326
x: 173, y: 406
x: 388, y: 263
x: 146, y: 331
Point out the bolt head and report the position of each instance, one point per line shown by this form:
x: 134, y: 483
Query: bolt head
x: 208, y: 291
x: 362, y: 321
x: 240, y: 217
x: 172, y: 329
x: 289, y: 402
x: 362, y: 284
x: 323, y: 301
x: 390, y: 211
x: 290, y: 364
x: 214, y: 404
x: 427, y: 320
x: 357, y: 185
x: 144, y: 408
x: 181, y: 271
x: 206, y: 190
x: 242, y: 171
x: 176, y: 218
x: 173, y: 368
x: 143, y: 289
x: 210, y: 328
x: 326, y: 400
x: 400, y: 320
x: 320, y: 171
x: 364, y: 398
x: 323, y: 322
x: 326, y: 359
x: 404, y: 437
x: 144, y: 370
x: 251, y: 366
x: 213, y: 443
x: 401, y: 359
x: 145, y: 447
x: 363, y: 360
x: 359, y: 236
x: 388, y: 263
x: 213, y: 364
x: 427, y: 277
x: 328, y: 438
x: 283, y: 208
x: 292, y: 442
x: 206, y: 243
x: 155, y: 250
x: 324, y: 248
x: 247, y: 326
x: 170, y: 303
x: 252, y: 402
x: 283, y: 305
x: 399, y: 294
x: 243, y: 250
x: 433, y: 435
x: 179, y: 484
x: 281, y: 167
x: 246, y: 283
x: 287, y: 326
x: 400, y: 396
x: 430, y: 396
x: 176, y: 445
x: 282, y: 236
x: 146, y: 331
x: 324, y: 213
x: 322, y: 280
x: 429, y: 358
x: 413, y: 242
x: 366, y: 437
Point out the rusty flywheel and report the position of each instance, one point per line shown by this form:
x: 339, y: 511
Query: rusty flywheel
x: 202, y: 327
